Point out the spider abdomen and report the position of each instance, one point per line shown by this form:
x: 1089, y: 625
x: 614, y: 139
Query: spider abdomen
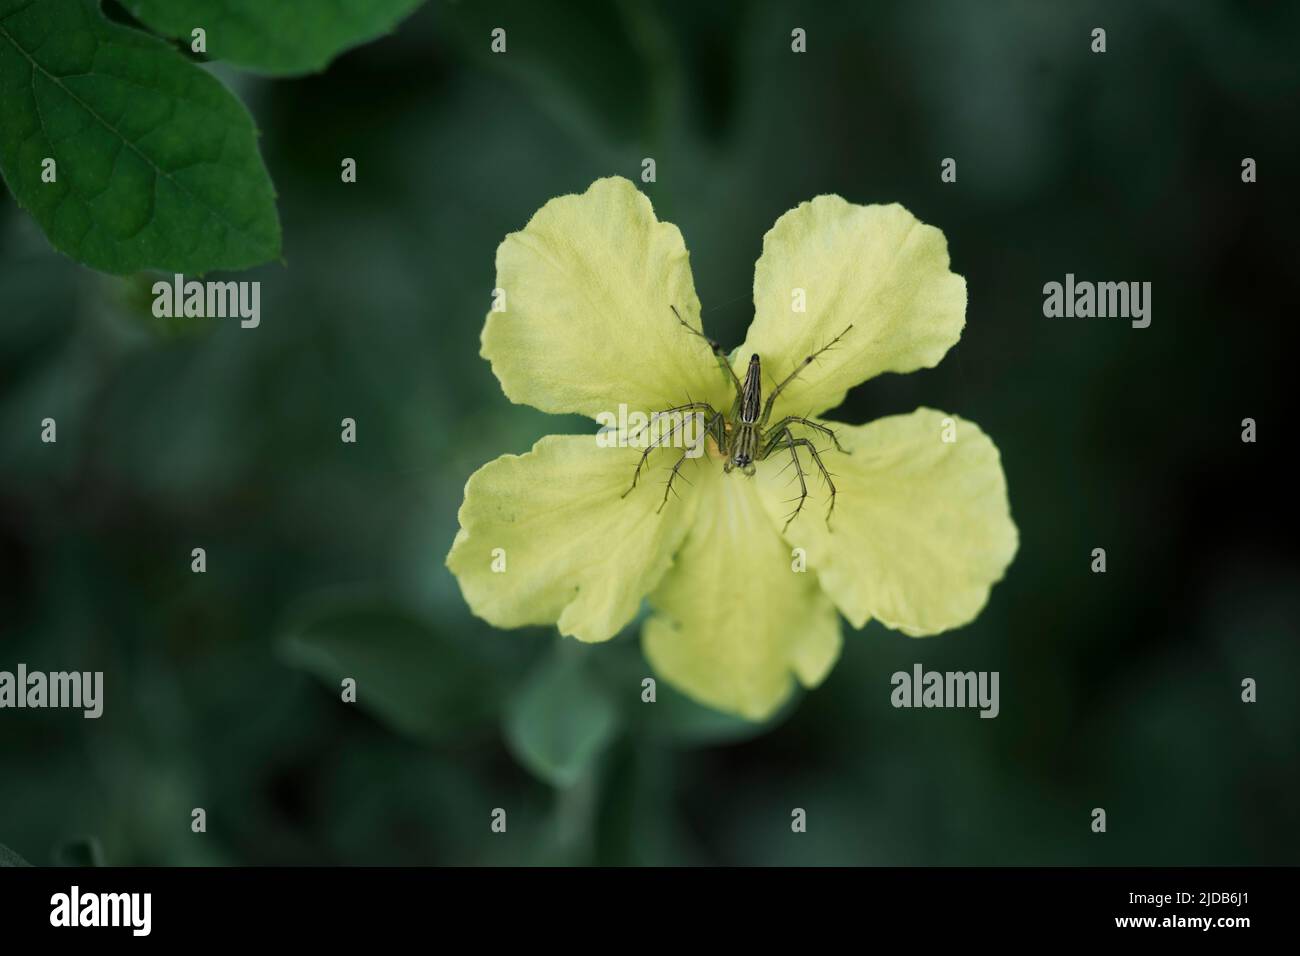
x: 751, y: 393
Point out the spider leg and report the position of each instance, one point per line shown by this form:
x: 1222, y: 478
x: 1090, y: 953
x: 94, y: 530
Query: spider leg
x: 668, y: 485
x: 775, y: 431
x: 651, y: 447
x: 821, y: 466
x: 655, y: 416
x: 681, y: 460
x: 720, y: 433
x: 808, y: 360
x: 718, y: 354
x: 787, y: 439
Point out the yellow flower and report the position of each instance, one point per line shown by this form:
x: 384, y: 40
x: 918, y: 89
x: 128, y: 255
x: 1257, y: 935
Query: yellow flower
x: 921, y: 527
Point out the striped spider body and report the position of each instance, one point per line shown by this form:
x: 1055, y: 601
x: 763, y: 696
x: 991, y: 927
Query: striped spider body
x: 743, y: 436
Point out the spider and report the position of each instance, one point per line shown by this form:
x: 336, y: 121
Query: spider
x: 743, y: 435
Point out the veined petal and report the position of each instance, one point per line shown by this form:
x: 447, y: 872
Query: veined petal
x: 876, y: 268
x: 589, y: 287
x: 569, y: 549
x: 735, y: 623
x: 922, y: 526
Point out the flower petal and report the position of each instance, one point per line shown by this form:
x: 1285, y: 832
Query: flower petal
x: 734, y: 620
x: 922, y: 527
x: 589, y: 285
x: 576, y: 553
x: 876, y: 268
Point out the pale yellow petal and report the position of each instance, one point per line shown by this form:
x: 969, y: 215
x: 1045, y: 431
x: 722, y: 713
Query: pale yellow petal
x: 735, y: 623
x: 588, y: 288
x: 547, y: 538
x: 922, y: 526
x: 875, y: 268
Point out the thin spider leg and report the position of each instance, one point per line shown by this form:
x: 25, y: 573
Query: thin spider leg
x: 669, y: 484
x: 718, y: 354
x: 676, y: 472
x: 821, y: 466
x: 649, y: 448
x: 767, y: 407
x: 720, y: 434
x: 774, y: 438
x: 774, y: 432
x: 655, y: 416
x: 798, y: 470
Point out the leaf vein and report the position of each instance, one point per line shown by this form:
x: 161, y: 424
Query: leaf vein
x: 158, y: 170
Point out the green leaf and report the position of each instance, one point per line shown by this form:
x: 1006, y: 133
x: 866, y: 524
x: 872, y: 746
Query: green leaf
x: 9, y: 858
x: 561, y: 720
x: 274, y: 36
x: 156, y: 163
x: 420, y: 681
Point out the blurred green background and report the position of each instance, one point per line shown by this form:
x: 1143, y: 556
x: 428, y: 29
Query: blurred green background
x: 1119, y: 690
